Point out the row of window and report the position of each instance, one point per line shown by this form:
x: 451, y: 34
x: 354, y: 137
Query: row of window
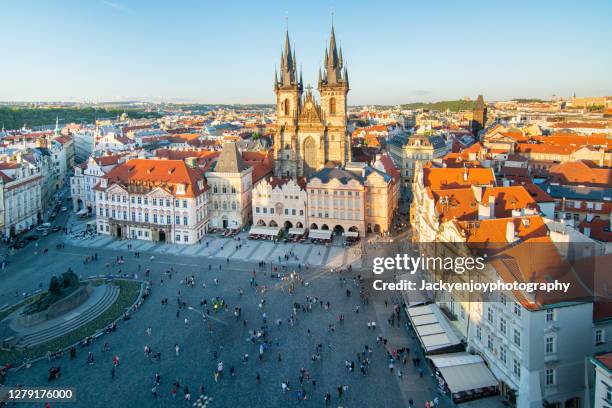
x: 287, y: 211
x: 157, y: 219
x: 224, y: 189
x: 336, y: 192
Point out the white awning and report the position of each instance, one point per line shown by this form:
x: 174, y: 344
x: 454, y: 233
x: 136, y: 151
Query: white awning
x: 354, y: 234
x: 296, y: 231
x: 320, y: 234
x: 82, y: 212
x: 260, y: 230
x: 433, y: 331
x: 463, y: 371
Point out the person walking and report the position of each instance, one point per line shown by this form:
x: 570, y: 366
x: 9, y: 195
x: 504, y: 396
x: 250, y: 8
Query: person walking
x: 177, y: 349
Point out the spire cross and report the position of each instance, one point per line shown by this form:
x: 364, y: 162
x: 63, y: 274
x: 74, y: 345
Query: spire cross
x: 332, y: 16
x: 287, y: 20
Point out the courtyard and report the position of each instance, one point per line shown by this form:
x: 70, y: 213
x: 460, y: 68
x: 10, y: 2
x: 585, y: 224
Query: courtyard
x: 223, y: 270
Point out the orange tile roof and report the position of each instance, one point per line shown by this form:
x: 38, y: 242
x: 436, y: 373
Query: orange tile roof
x: 538, y: 260
x: 443, y: 178
x: 580, y: 173
x: 539, y: 195
x: 461, y: 203
x: 163, y: 173
x: 261, y: 170
x: 545, y: 148
x: 389, y: 166
x: 494, y: 230
x: 577, y: 125
x: 606, y: 360
x: 599, y: 229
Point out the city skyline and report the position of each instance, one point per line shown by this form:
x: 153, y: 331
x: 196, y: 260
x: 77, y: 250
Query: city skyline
x: 128, y: 50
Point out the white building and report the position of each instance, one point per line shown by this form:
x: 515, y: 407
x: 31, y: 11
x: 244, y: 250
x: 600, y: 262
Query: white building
x: 280, y: 202
x: 603, y: 381
x: 231, y: 184
x: 153, y: 200
x: 87, y: 176
x: 84, y: 142
x: 21, y: 185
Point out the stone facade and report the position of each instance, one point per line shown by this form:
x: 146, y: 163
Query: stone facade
x: 310, y: 134
x: 231, y: 184
x: 280, y: 202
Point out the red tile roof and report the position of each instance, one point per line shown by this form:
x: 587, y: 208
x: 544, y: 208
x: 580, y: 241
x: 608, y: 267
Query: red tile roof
x: 580, y: 173
x: 162, y: 173
x: 443, y: 178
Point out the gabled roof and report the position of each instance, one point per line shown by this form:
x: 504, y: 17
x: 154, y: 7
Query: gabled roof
x: 538, y: 260
x: 494, y: 230
x: 599, y: 229
x: 461, y: 204
x: 442, y: 178
x: 580, y: 173
x: 166, y: 173
x: 230, y: 160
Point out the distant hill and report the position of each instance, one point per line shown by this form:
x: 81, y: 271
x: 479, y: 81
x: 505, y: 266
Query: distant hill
x: 454, y: 106
x: 14, y: 117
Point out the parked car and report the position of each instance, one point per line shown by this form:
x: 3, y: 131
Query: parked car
x: 20, y: 244
x: 43, y: 226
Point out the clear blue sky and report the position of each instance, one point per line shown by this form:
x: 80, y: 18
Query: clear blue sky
x: 225, y: 52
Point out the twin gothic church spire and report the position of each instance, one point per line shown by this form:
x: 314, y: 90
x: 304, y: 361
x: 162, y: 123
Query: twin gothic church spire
x: 334, y: 71
x: 288, y: 67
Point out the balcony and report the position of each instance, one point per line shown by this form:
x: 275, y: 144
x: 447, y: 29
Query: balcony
x: 551, y: 358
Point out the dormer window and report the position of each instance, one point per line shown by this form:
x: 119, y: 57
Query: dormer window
x: 180, y: 188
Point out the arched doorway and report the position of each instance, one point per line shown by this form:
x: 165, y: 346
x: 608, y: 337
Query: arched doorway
x: 325, y: 227
x: 377, y: 228
x: 299, y: 225
x: 162, y: 236
x: 369, y: 228
x: 313, y: 226
x: 338, y: 230
x: 310, y: 156
x: 261, y: 223
x: 273, y: 223
x: 224, y: 220
x: 353, y: 229
x: 288, y: 225
x: 79, y: 205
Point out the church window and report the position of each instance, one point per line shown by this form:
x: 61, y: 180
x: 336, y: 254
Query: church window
x: 332, y: 106
x: 286, y: 107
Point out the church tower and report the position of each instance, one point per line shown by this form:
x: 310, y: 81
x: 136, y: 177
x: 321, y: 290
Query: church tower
x: 310, y: 134
x: 479, y: 115
x: 288, y: 91
x: 333, y: 89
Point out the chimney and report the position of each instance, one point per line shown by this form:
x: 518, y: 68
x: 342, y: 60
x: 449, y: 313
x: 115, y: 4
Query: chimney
x: 506, y: 182
x: 589, y: 217
x: 477, y: 190
x: 587, y: 231
x: 510, y: 236
x: 465, y: 174
x: 491, y: 206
